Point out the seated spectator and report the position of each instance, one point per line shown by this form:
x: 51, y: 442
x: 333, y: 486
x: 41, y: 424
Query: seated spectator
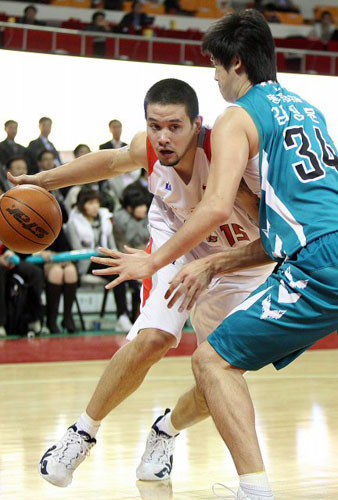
x: 174, y: 7
x: 80, y: 150
x: 89, y: 227
x: 40, y: 144
x: 281, y: 5
x: 135, y: 20
x: 131, y: 229
x: 17, y: 165
x: 33, y: 278
x: 29, y: 16
x: 8, y: 147
x: 323, y: 30
x: 115, y: 127
x: 99, y: 23
x: 113, y: 4
x: 61, y: 278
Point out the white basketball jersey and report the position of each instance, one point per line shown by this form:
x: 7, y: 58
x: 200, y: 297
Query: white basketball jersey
x: 174, y: 200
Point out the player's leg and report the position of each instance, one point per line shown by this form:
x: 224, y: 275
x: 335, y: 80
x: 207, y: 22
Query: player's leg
x: 222, y: 296
x: 156, y: 330
x: 265, y: 329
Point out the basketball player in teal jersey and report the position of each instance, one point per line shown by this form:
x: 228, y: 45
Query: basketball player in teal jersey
x: 298, y: 304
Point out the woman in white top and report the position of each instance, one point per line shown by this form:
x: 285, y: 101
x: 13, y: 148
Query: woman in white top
x: 89, y: 227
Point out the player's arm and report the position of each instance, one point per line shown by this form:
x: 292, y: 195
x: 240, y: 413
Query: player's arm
x: 92, y: 167
x: 234, y: 139
x: 196, y: 276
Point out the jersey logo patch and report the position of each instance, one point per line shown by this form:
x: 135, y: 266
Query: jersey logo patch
x: 168, y: 186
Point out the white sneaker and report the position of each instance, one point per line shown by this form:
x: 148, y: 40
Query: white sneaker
x: 157, y: 460
x: 155, y: 490
x: 240, y: 495
x: 59, y: 462
x: 123, y: 324
x: 2, y: 331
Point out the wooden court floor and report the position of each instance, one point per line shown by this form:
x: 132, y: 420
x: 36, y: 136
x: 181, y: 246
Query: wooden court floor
x: 297, y: 419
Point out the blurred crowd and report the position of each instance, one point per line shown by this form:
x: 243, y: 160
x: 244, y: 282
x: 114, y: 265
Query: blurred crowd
x: 111, y: 213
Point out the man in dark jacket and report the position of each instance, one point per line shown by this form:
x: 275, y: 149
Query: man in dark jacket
x: 115, y: 127
x: 41, y: 143
x: 8, y: 147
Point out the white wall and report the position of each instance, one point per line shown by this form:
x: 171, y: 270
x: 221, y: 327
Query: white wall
x: 82, y: 95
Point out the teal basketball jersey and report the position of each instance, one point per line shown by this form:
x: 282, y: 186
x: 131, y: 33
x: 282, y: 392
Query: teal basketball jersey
x: 298, y: 169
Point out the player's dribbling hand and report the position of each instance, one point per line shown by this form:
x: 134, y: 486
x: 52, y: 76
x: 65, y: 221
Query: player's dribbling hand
x: 189, y: 283
x: 132, y: 265
x: 24, y: 179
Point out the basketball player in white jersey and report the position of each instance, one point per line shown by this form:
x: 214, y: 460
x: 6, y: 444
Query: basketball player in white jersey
x: 176, y: 153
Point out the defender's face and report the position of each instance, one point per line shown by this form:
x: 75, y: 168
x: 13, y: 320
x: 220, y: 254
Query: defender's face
x: 170, y: 131
x: 226, y: 81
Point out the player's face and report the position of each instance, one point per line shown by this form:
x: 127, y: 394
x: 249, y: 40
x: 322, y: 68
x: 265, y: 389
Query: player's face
x: 171, y: 132
x: 227, y: 81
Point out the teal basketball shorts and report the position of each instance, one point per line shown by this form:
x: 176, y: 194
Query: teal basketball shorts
x: 296, y: 306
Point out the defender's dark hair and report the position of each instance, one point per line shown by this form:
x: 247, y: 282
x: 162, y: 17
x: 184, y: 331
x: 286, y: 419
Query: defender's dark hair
x: 245, y: 34
x: 172, y: 91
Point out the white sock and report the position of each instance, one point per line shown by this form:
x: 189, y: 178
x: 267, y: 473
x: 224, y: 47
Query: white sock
x: 256, y: 485
x: 165, y: 425
x: 87, y: 424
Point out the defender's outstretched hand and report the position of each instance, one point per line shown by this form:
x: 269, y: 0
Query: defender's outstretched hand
x: 132, y: 265
x: 24, y: 179
x: 190, y: 282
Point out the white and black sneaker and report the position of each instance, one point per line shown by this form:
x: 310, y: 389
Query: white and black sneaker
x: 157, y: 460
x: 59, y: 462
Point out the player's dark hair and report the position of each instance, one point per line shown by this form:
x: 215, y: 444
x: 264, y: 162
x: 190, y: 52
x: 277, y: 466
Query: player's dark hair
x: 173, y: 91
x: 43, y: 152
x: 245, y: 34
x: 14, y: 158
x: 86, y: 194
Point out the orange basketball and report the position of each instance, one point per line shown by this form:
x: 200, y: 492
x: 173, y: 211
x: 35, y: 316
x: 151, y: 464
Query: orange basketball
x: 30, y: 219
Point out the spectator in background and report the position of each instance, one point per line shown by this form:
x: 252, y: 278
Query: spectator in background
x: 174, y: 7
x: 41, y: 143
x: 323, y: 30
x: 113, y: 4
x: 99, y: 24
x: 116, y: 185
x: 135, y: 20
x: 115, y: 127
x: 131, y: 229
x: 61, y: 278
x: 280, y: 5
x: 29, y: 16
x: 80, y: 150
x: 33, y: 277
x: 89, y: 227
x: 8, y: 147
x: 17, y: 165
